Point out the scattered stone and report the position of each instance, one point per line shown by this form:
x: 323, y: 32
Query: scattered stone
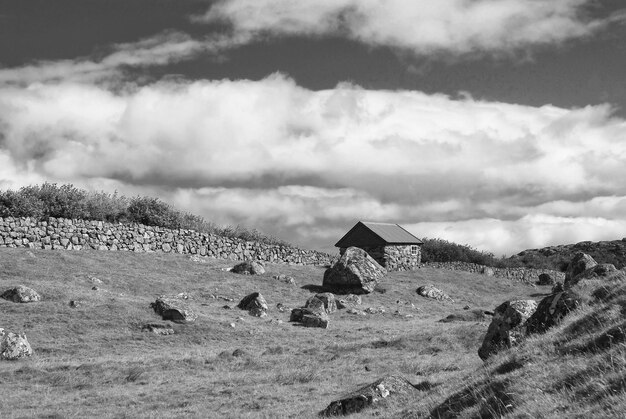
x: 197, y: 259
x: 249, y: 267
x: 579, y: 264
x: 594, y: 274
x: 323, y: 302
x: 158, y: 329
x: 255, y: 304
x: 545, y: 279
x: 355, y: 311
x: 239, y: 353
x: 475, y: 315
x: 95, y: 288
x: 282, y: 308
x: 227, y: 307
x: 507, y: 326
x: 74, y: 303
x: 286, y: 279
x: 349, y: 301
x: 384, y: 388
x: 232, y: 325
x: 551, y: 311
x: 466, y: 307
x: 315, y: 320
x: 14, y: 346
x: 174, y: 308
x: 309, y: 317
x: 21, y: 294
x: 355, y: 272
x: 430, y: 291
x: 373, y: 310
x: 94, y: 280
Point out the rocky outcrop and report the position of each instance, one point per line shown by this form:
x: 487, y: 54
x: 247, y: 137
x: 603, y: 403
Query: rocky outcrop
x: 430, y: 291
x: 507, y: 326
x: 579, y: 264
x: 551, y: 311
x: 355, y: 272
x: 392, y: 387
x: 322, y: 302
x: 255, y: 304
x: 174, y: 308
x: 21, y: 294
x: 249, y: 267
x: 14, y: 346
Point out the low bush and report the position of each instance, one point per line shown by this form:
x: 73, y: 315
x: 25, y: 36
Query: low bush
x: 66, y: 201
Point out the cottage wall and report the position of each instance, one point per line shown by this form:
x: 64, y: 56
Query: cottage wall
x: 393, y: 257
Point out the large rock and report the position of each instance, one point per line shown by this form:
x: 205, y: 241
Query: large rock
x: 545, y: 279
x: 21, y: 294
x: 551, y: 311
x: 596, y: 275
x: 507, y: 326
x: 579, y: 264
x: 355, y: 272
x: 174, y: 308
x: 310, y: 317
x: 249, y: 267
x: 390, y: 387
x: 430, y: 291
x: 255, y: 304
x: 14, y: 346
x: 324, y: 302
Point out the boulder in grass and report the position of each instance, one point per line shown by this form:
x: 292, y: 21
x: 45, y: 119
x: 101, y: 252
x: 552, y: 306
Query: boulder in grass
x: 249, y: 267
x: 324, y: 302
x: 21, y: 294
x: 315, y: 320
x: 174, y: 308
x: 551, y: 311
x: 392, y: 387
x: 580, y: 263
x: 355, y: 272
x: 507, y: 326
x: 430, y: 291
x: 545, y: 279
x: 255, y: 304
x: 158, y: 329
x: 298, y: 313
x: 14, y: 346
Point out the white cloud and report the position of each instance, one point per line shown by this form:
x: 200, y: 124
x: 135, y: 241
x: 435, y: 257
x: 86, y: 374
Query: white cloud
x: 421, y: 26
x: 161, y: 49
x: 284, y: 158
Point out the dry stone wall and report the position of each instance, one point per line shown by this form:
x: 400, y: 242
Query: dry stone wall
x: 65, y: 234
x: 515, y: 274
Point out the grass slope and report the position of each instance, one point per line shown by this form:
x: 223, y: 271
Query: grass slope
x: 95, y: 361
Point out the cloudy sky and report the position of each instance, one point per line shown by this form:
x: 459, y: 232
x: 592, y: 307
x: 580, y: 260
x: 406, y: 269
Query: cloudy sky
x: 495, y: 123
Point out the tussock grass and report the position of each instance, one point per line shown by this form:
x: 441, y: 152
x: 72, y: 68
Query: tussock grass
x: 96, y: 361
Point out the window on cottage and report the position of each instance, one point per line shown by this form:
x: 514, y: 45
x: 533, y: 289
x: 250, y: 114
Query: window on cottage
x: 414, y: 250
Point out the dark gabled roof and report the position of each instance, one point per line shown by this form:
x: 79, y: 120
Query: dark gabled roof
x: 376, y: 234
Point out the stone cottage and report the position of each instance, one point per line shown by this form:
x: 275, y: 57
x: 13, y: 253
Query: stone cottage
x: 390, y: 245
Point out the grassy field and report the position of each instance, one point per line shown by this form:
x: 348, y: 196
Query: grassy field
x: 96, y: 361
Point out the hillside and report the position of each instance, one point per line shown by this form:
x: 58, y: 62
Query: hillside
x: 557, y: 257
x: 95, y: 360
